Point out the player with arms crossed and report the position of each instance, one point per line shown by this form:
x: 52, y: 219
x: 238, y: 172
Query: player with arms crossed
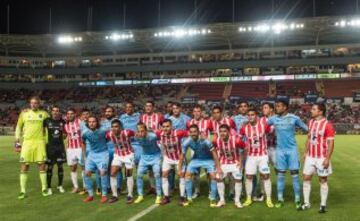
x: 30, y: 128
x: 97, y: 157
x: 55, y: 148
x: 123, y: 155
x: 287, y: 157
x: 319, y: 148
x: 205, y: 157
x: 227, y: 147
x: 257, y: 158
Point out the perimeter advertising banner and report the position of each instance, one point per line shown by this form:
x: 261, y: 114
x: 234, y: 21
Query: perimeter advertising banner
x: 356, y: 97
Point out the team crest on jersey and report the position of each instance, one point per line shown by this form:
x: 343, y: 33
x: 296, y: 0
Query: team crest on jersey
x: 40, y: 115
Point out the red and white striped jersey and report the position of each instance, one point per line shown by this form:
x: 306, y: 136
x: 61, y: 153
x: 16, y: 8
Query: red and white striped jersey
x: 204, y: 125
x: 255, y: 135
x: 121, y: 142
x: 153, y: 121
x: 320, y: 131
x: 270, y: 137
x: 228, y: 151
x: 228, y: 121
x: 73, y: 134
x: 171, y: 143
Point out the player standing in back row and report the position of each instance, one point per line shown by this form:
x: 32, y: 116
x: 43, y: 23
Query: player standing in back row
x: 319, y: 148
x: 287, y: 157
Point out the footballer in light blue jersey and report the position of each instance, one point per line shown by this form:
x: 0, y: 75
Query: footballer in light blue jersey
x: 97, y: 158
x: 106, y: 125
x: 150, y: 157
x: 242, y: 117
x: 178, y: 118
x: 129, y: 121
x: 205, y: 156
x: 287, y: 157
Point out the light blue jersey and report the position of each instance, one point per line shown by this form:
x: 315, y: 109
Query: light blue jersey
x: 179, y: 123
x: 106, y: 125
x: 285, y: 130
x: 202, y: 148
x: 96, y: 140
x: 240, y: 120
x: 130, y: 121
x: 149, y: 144
x: 167, y: 116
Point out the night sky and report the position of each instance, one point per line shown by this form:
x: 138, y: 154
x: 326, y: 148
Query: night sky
x: 32, y: 16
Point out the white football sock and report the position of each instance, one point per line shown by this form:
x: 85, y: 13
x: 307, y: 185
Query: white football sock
x: 182, y: 187
x: 324, y: 190
x: 238, y: 189
x: 248, y: 187
x: 130, y: 185
x: 74, y: 179
x: 221, y: 190
x: 306, y: 191
x: 113, y: 185
x: 165, y: 186
x: 267, y: 188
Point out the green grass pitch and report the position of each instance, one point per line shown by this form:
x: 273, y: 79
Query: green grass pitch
x: 343, y: 201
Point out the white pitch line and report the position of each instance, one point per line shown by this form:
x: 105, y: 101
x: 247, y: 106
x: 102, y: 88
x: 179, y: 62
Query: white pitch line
x: 143, y: 213
x: 149, y: 209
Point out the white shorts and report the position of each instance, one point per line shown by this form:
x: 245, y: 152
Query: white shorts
x: 127, y: 160
x: 257, y: 163
x: 168, y: 164
x: 73, y: 156
x: 314, y: 166
x: 230, y: 169
x: 272, y: 155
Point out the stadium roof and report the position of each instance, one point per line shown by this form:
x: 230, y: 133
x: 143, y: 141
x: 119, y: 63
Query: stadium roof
x: 315, y: 31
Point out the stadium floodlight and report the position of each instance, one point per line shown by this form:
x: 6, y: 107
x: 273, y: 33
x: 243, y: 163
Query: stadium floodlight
x: 348, y: 23
x: 68, y: 39
x: 182, y: 32
x: 116, y: 36
x: 276, y: 28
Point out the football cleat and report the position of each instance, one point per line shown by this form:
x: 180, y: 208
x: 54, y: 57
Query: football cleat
x: 88, y: 199
x: 139, y: 199
x: 322, y: 209
x: 298, y: 205
x: 104, y: 199
x: 239, y: 205
x: 21, y: 196
x: 61, y: 189
x: 45, y: 192
x: 279, y: 204
x: 213, y: 203
x: 269, y: 203
x: 75, y: 190
x: 182, y: 200
x: 83, y: 192
x: 158, y: 200
x: 98, y: 192
x: 305, y: 206
x: 165, y: 200
x: 129, y: 200
x: 196, y: 194
x: 220, y: 204
x: 248, y: 201
x: 113, y: 199
x: 187, y: 202
x: 50, y: 192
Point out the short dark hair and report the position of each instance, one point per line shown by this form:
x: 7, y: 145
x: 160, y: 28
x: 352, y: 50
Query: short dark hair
x: 117, y: 121
x: 166, y: 121
x: 198, y: 106
x: 129, y: 102
x: 217, y: 107
x: 194, y: 126
x: 85, y: 110
x: 55, y: 106
x: 177, y: 104
x: 271, y: 105
x: 142, y: 125
x: 252, y: 110
x: 225, y: 126
x: 243, y: 102
x: 321, y: 107
x: 150, y: 102
x: 284, y: 102
x: 35, y: 97
x: 70, y: 109
x: 111, y: 107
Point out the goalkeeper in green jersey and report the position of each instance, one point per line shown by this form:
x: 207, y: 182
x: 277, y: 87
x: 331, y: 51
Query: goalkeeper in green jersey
x: 30, y: 142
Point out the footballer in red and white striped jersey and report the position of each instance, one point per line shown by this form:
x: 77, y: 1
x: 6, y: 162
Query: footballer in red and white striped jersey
x: 170, y: 140
x: 255, y: 132
x: 218, y: 119
x: 228, y: 147
x: 270, y: 137
x: 151, y: 119
x: 73, y: 133
x: 320, y: 131
x: 204, y: 125
x: 122, y: 141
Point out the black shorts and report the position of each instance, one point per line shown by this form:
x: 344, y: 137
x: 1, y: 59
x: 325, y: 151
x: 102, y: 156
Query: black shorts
x: 55, y: 154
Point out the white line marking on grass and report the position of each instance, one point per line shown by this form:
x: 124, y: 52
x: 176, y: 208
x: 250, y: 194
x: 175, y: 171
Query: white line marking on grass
x: 149, y: 209
x: 143, y: 213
